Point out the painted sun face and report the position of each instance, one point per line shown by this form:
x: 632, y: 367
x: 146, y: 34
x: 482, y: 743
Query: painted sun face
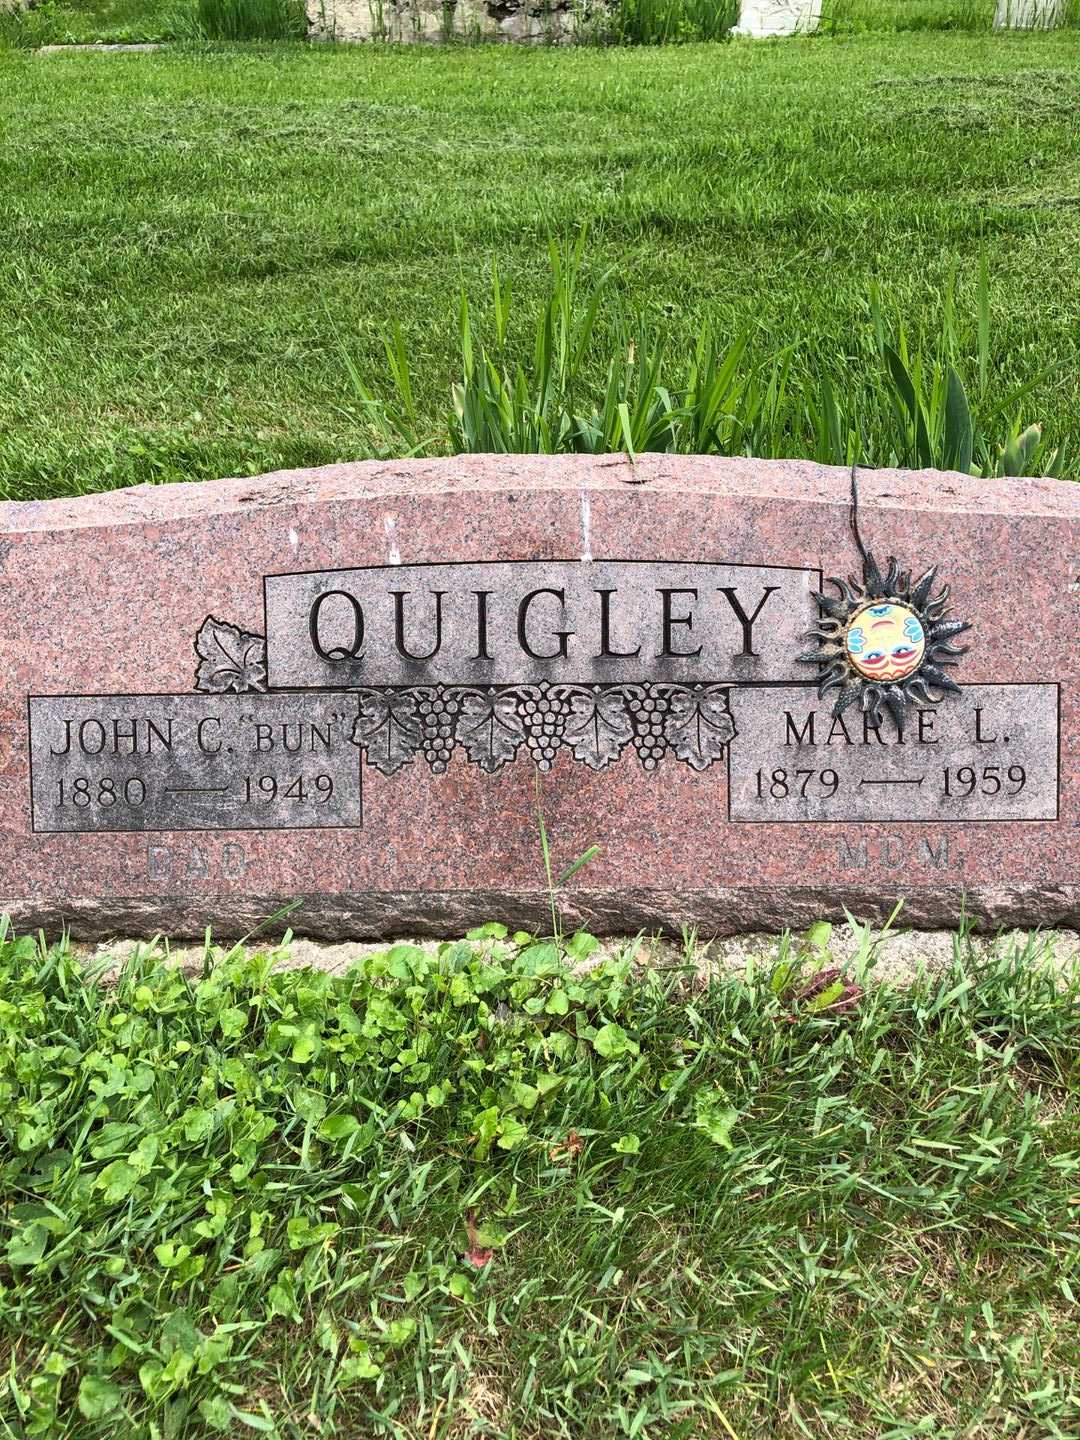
x: 885, y: 641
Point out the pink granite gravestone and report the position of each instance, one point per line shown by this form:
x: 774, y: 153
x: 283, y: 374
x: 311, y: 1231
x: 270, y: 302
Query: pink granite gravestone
x: 339, y: 687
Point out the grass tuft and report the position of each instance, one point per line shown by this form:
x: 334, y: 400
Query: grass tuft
x: 81, y: 22
x: 252, y: 19
x: 663, y: 22
x: 909, y: 406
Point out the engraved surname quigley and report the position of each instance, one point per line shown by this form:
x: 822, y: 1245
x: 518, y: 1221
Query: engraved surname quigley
x: 193, y: 762
x: 497, y: 658
x: 991, y: 754
x: 525, y: 622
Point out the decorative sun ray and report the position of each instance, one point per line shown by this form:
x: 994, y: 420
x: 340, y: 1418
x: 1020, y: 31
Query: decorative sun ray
x: 884, y: 642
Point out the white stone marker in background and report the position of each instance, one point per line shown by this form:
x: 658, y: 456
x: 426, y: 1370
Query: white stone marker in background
x: 1029, y: 14
x: 759, y: 19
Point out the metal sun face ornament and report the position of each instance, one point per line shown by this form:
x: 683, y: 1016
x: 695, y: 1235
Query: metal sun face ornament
x: 884, y: 642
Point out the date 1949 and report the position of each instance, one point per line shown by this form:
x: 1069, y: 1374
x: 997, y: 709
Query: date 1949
x: 319, y: 789
x: 106, y: 791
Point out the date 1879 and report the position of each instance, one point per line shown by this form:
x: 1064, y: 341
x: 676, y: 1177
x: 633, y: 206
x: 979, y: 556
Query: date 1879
x: 991, y: 754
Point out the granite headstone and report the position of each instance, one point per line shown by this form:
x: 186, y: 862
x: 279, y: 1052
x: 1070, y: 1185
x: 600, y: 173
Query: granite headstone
x: 338, y: 687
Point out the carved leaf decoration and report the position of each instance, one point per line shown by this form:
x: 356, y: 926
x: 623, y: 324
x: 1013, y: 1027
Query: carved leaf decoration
x: 229, y: 658
x: 599, y: 728
x: 490, y: 728
x: 699, y: 724
x: 387, y: 729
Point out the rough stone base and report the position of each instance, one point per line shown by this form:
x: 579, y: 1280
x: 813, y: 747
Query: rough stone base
x: 652, y: 912
x: 139, y: 48
x: 543, y: 22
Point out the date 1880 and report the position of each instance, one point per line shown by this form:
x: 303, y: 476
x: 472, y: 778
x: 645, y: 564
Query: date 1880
x: 193, y: 762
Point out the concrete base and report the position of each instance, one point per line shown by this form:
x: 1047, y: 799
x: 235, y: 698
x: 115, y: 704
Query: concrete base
x: 141, y: 48
x: 763, y: 19
x: 899, y: 956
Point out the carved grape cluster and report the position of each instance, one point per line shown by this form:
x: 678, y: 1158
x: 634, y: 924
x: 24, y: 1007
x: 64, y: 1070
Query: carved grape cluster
x: 595, y: 723
x: 544, y: 713
x: 649, y: 713
x: 438, y: 709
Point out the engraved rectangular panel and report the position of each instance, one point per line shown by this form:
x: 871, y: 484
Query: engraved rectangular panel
x: 990, y: 753
x: 193, y: 762
x: 519, y: 622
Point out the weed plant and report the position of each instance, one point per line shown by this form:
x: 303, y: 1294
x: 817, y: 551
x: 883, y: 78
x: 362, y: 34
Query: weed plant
x: 252, y: 19
x: 662, y: 22
x: 910, y: 408
x: 499, y: 1186
x: 21, y: 30
x: 80, y: 22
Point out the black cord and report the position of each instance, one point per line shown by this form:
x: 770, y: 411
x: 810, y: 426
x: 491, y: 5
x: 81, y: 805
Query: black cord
x: 855, y: 511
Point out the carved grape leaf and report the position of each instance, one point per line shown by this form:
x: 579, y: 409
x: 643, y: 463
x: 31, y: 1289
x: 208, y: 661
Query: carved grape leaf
x: 229, y: 658
x: 387, y: 729
x: 599, y: 728
x: 699, y: 724
x: 490, y: 728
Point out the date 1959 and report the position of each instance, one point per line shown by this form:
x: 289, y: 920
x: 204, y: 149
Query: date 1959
x: 991, y: 754
x: 953, y: 782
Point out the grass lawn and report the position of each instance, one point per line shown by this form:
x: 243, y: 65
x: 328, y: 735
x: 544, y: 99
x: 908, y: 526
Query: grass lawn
x: 106, y: 22
x: 187, y: 238
x: 474, y: 1191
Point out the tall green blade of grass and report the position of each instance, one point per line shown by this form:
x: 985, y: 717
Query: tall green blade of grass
x: 958, y: 429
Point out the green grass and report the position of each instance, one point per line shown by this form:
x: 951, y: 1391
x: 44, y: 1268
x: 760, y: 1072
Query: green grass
x: 252, y: 19
x: 189, y: 237
x: 665, y: 22
x: 913, y: 405
x: 470, y: 1191
x: 85, y: 22
x: 840, y: 16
